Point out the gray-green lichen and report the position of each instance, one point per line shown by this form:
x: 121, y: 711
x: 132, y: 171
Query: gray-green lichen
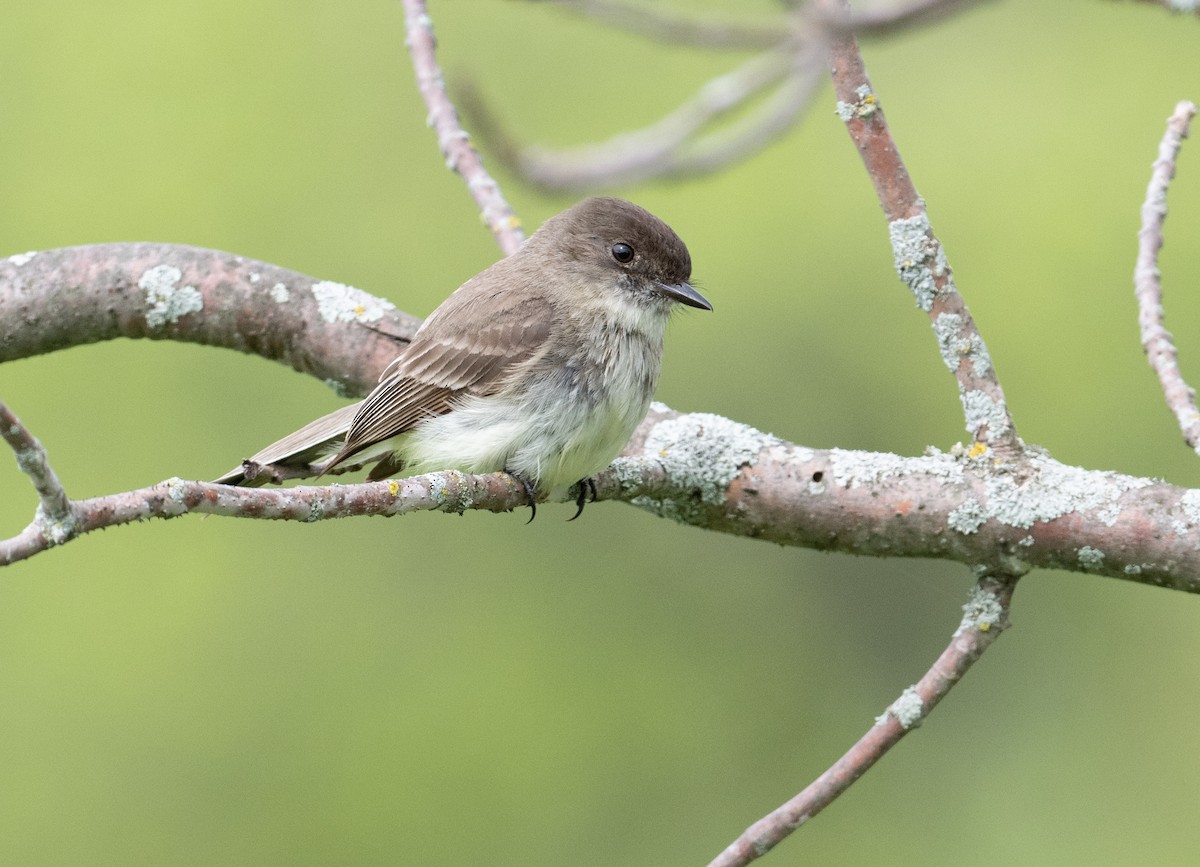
x: 852, y: 469
x: 337, y: 302
x: 1054, y: 490
x: 701, y: 454
x: 968, y: 517
x: 981, y: 612
x: 1189, y: 505
x: 979, y: 410
x: 56, y: 530
x: 865, y: 106
x: 1090, y: 559
x: 30, y: 460
x: 912, y: 244
x: 20, y: 259
x: 280, y: 293
x: 956, y: 342
x: 339, y: 387
x: 176, y: 496
x: 908, y: 710
x: 166, y: 300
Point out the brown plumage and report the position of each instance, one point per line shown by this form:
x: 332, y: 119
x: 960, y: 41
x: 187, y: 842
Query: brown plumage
x: 541, y: 365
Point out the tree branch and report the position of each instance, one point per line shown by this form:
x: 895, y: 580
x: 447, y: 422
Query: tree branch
x: 674, y: 145
x: 985, y: 617
x: 53, y: 519
x: 79, y: 295
x: 697, y: 468
x: 1156, y: 340
x: 453, y: 140
x: 919, y: 257
x: 1182, y: 7
x: 668, y: 25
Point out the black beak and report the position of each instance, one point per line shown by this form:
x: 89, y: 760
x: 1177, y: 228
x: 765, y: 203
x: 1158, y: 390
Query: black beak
x: 684, y: 294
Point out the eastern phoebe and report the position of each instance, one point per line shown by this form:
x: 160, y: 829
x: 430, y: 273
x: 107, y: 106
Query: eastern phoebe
x: 540, y: 366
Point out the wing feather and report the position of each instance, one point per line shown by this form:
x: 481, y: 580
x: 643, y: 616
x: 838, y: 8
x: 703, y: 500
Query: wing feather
x: 445, y: 362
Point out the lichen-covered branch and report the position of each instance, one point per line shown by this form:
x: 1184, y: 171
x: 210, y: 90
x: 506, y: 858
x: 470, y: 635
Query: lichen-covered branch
x: 453, y: 140
x: 699, y: 469
x: 919, y: 257
x: 721, y: 475
x: 1147, y: 281
x: 709, y: 472
x: 78, y: 295
x: 985, y: 617
x: 54, y: 512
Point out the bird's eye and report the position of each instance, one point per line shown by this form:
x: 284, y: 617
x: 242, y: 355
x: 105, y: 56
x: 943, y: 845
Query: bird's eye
x: 623, y: 253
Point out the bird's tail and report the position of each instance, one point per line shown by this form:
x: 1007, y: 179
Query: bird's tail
x: 303, y: 450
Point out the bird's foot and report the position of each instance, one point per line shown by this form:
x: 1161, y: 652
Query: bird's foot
x: 585, y: 486
x: 530, y: 492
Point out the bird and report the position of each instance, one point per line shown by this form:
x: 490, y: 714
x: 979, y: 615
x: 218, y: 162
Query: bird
x: 540, y: 366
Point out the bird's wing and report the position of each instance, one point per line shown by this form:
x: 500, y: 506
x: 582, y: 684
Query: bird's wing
x: 444, y: 362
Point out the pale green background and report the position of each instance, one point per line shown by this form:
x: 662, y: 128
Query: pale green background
x: 437, y: 690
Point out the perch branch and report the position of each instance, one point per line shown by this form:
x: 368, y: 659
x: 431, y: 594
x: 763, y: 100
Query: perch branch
x: 1147, y: 281
x: 698, y: 469
x: 985, y: 616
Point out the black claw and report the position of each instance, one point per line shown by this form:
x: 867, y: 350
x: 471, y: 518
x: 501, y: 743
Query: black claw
x: 584, y: 485
x: 530, y: 492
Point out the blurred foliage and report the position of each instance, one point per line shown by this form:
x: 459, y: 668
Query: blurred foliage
x: 622, y: 691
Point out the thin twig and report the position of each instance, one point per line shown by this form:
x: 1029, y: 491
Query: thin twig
x: 985, y: 617
x: 920, y: 259
x: 672, y: 145
x: 55, y: 509
x: 668, y: 25
x: 1182, y: 7
x: 453, y: 140
x: 888, y: 20
x: 760, y: 127
x: 1147, y: 280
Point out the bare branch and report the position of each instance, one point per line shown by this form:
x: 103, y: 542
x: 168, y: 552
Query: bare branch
x: 920, y: 260
x: 667, y: 25
x: 890, y: 19
x: 1182, y: 7
x: 1156, y: 340
x: 985, y: 617
x: 672, y: 146
x: 453, y: 140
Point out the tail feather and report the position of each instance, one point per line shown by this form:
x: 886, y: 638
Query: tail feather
x: 303, y: 448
